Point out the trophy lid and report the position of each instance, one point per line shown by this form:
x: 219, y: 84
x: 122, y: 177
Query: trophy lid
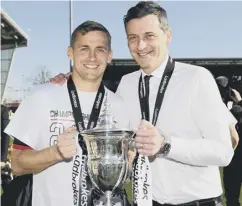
x: 107, y: 124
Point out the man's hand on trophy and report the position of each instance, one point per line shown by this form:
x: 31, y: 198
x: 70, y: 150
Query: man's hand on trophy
x: 148, y: 141
x: 60, y: 78
x: 66, y: 146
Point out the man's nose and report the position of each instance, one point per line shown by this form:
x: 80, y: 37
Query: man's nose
x: 92, y: 55
x: 141, y: 44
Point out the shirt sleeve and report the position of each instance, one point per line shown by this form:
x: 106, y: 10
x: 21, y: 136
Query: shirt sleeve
x: 17, y: 144
x: 27, y: 122
x: 212, y: 119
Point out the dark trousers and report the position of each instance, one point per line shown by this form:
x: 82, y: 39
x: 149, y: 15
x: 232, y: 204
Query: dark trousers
x: 18, y: 192
x: 205, y: 202
x: 233, y: 178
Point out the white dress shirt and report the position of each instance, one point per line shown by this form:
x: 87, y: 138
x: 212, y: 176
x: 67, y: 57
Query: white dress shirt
x: 194, y: 116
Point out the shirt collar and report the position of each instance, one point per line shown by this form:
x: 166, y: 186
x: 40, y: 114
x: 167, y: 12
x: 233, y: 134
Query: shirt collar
x: 159, y: 71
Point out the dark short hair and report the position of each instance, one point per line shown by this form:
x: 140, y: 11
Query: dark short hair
x: 88, y: 26
x: 145, y: 8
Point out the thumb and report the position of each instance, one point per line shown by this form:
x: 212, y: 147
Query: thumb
x: 70, y: 130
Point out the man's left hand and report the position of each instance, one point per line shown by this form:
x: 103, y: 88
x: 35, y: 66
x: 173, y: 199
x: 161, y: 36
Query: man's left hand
x: 60, y: 78
x: 148, y: 141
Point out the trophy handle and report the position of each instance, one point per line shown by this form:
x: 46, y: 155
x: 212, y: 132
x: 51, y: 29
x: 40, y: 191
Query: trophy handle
x: 131, y: 144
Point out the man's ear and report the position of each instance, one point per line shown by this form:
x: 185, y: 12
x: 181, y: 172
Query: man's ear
x: 169, y: 36
x: 110, y: 56
x: 70, y: 53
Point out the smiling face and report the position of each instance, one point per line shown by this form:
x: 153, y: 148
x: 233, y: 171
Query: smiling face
x: 148, y: 42
x: 90, y: 54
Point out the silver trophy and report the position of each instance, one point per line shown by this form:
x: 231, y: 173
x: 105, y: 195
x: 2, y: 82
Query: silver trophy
x: 107, y: 148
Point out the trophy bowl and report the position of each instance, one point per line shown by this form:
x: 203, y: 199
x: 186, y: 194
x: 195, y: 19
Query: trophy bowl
x: 107, y: 148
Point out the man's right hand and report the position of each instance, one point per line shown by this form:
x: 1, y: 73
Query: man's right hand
x: 60, y: 78
x: 66, y: 144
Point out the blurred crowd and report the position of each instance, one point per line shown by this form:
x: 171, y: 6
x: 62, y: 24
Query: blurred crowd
x: 232, y: 174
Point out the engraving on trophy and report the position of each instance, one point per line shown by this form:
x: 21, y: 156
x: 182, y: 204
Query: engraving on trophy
x: 107, y: 154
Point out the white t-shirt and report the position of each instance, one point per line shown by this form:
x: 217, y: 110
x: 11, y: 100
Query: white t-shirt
x: 39, y: 120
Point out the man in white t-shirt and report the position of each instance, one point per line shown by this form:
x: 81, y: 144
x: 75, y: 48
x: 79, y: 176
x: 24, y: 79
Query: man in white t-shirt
x: 46, y: 143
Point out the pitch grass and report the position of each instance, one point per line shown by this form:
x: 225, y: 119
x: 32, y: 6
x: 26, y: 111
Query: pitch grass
x: 129, y: 189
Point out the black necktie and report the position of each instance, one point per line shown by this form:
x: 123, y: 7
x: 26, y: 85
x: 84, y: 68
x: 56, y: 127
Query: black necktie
x: 147, y: 93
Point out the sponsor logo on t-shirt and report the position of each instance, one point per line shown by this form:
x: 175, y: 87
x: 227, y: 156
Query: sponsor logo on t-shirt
x: 61, y: 113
